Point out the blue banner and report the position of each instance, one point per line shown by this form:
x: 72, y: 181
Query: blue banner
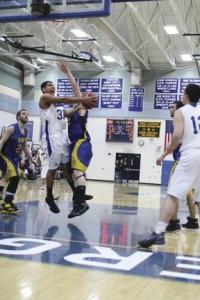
x: 111, y: 100
x: 111, y: 85
x: 166, y: 86
x: 136, y: 98
x: 185, y: 81
x: 162, y: 101
x: 89, y: 85
x: 64, y: 88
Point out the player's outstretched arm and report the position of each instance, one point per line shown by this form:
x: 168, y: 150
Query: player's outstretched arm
x: 88, y: 100
x: 75, y: 87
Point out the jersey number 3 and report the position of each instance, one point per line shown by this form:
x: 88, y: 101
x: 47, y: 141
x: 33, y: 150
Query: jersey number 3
x: 60, y: 114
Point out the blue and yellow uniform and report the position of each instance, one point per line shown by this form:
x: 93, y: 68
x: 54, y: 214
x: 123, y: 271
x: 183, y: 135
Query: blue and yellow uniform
x: 80, y: 146
x: 10, y: 153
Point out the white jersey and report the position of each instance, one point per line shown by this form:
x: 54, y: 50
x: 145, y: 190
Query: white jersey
x: 191, y: 135
x: 52, y: 120
x: 187, y: 172
x: 54, y: 136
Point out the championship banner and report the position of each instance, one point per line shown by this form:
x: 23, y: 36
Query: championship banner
x: 149, y: 129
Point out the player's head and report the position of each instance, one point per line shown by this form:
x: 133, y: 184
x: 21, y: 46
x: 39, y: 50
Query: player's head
x: 175, y: 105
x: 47, y: 87
x: 191, y: 93
x: 22, y: 116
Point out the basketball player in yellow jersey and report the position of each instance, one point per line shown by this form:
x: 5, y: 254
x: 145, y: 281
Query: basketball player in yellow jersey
x: 80, y: 148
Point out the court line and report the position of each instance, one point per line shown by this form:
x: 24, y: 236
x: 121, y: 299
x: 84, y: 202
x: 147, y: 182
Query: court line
x: 65, y: 240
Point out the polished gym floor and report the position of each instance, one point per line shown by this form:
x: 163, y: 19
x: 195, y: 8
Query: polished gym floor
x: 95, y: 256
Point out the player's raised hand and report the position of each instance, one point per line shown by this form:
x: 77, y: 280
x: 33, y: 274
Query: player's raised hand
x: 89, y: 100
x: 62, y: 66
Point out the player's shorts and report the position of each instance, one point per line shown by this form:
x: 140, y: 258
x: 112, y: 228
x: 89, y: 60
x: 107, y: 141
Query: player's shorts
x: 185, y: 176
x: 173, y: 168
x: 81, y: 155
x: 8, y: 168
x: 56, y: 149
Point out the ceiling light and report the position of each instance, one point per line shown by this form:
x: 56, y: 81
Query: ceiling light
x: 79, y: 33
x: 108, y: 58
x: 42, y: 61
x: 186, y: 57
x: 171, y: 29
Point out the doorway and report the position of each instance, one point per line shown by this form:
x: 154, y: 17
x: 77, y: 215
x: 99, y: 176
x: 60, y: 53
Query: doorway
x: 127, y: 167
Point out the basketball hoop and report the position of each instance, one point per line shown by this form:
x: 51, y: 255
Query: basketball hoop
x: 58, y: 21
x: 59, y: 25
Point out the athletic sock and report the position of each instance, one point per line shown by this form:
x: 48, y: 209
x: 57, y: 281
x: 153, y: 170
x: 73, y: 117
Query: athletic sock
x: 49, y: 192
x: 160, y: 227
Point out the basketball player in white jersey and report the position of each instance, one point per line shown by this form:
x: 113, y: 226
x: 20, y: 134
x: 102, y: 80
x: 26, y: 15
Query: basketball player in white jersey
x: 187, y: 172
x: 54, y: 137
x: 192, y: 221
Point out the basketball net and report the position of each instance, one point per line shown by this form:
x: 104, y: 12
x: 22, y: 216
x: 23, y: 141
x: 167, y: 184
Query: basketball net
x: 59, y: 25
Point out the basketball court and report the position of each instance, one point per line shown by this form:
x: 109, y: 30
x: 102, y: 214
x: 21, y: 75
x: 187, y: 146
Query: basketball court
x: 94, y: 256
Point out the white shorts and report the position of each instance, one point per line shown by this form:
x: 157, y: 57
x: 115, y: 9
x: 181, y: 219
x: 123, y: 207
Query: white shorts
x: 44, y: 169
x: 56, y: 149
x: 186, y: 175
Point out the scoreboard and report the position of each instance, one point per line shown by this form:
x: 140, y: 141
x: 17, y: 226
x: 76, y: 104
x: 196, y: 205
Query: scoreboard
x: 119, y: 130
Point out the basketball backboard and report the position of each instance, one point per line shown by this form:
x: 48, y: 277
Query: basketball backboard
x: 22, y: 10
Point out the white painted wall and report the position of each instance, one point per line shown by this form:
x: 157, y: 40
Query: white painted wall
x: 11, y: 92
x: 6, y: 119
x: 102, y: 166
x: 103, y: 162
x: 150, y: 151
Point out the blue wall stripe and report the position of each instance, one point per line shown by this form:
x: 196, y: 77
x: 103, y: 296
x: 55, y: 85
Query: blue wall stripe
x: 8, y: 103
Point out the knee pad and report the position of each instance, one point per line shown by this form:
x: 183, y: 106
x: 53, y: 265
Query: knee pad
x: 82, y: 175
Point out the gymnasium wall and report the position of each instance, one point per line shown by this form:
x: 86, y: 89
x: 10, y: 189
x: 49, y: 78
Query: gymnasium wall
x: 31, y: 95
x: 6, y: 119
x: 103, y: 163
x: 10, y: 88
x: 148, y: 112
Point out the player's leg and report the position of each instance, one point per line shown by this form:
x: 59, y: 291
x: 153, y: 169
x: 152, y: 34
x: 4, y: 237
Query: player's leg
x: 8, y: 206
x: 167, y: 211
x: 192, y: 221
x: 11, y: 175
x: 79, y: 204
x: 2, y: 186
x: 81, y: 155
x: 67, y: 168
x: 183, y: 179
x: 174, y: 222
x: 54, y: 158
x: 49, y: 186
x: 68, y: 175
x: 3, y: 171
